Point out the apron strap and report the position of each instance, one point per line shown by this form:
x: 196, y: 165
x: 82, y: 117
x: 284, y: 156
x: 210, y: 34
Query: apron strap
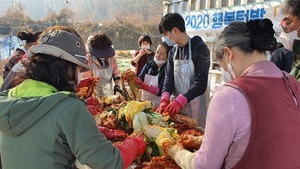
x: 190, y: 49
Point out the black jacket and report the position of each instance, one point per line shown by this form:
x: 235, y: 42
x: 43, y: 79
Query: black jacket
x: 283, y: 59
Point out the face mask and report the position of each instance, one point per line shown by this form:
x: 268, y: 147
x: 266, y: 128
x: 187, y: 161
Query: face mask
x: 287, y: 39
x: 145, y: 46
x: 231, y: 71
x: 226, y: 75
x: 159, y: 62
x: 168, y: 41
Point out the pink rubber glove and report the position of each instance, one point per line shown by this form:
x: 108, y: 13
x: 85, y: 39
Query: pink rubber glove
x: 152, y: 89
x: 132, y: 147
x: 176, y: 105
x: 139, y: 82
x: 164, y: 102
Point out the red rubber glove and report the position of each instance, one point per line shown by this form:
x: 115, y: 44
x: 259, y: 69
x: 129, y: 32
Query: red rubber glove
x: 141, y: 144
x: 164, y: 102
x: 132, y: 147
x: 162, y: 106
x: 176, y: 105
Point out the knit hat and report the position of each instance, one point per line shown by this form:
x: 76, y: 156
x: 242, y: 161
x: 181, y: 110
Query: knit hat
x: 62, y: 44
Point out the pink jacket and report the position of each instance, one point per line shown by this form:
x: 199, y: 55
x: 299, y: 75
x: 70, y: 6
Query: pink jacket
x: 227, y: 130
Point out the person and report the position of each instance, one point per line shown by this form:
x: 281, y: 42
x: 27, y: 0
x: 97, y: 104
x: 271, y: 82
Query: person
x: 253, y: 119
x: 283, y: 58
x: 44, y: 125
x: 104, y: 64
x: 290, y: 36
x: 151, y: 78
x: 186, y: 72
x: 15, y: 67
x: 153, y: 73
x: 30, y: 40
x: 141, y: 57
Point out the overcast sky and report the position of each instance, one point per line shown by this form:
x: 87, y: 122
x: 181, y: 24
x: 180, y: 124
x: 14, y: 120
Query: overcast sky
x: 38, y: 9
x: 96, y: 10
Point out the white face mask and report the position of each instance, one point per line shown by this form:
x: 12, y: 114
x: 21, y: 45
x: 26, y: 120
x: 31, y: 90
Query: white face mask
x: 159, y: 62
x: 287, y: 39
x: 229, y: 66
x: 168, y: 41
x: 226, y: 75
x: 145, y: 46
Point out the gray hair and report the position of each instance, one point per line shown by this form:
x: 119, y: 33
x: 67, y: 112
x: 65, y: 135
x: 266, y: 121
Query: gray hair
x: 291, y: 7
x: 254, y: 35
x: 234, y: 35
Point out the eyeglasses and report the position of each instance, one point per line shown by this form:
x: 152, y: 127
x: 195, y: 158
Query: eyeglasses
x: 165, y: 34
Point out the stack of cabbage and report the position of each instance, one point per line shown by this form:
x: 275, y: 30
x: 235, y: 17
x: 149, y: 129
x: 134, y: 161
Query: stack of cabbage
x: 152, y: 124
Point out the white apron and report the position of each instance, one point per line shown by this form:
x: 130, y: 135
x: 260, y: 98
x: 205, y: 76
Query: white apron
x: 184, y: 76
x: 151, y: 80
x: 105, y: 84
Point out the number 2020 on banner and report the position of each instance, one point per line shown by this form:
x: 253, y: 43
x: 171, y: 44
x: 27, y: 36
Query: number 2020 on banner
x: 197, y: 21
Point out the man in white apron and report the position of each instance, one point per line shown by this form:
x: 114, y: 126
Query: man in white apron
x: 104, y: 65
x: 186, y: 72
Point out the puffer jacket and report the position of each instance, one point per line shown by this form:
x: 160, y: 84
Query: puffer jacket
x: 45, y: 128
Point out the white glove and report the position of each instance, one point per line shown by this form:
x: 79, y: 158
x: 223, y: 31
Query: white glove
x: 182, y: 157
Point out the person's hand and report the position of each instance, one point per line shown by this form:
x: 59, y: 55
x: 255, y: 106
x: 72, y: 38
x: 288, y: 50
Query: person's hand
x: 117, y: 89
x: 140, y: 142
x: 173, y: 108
x: 171, y: 148
x: 176, y: 105
x: 142, y: 52
x: 162, y: 106
x: 152, y: 89
x: 139, y: 83
x: 130, y: 148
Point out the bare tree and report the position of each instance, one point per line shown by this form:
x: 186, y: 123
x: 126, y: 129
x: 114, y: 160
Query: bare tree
x: 65, y: 16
